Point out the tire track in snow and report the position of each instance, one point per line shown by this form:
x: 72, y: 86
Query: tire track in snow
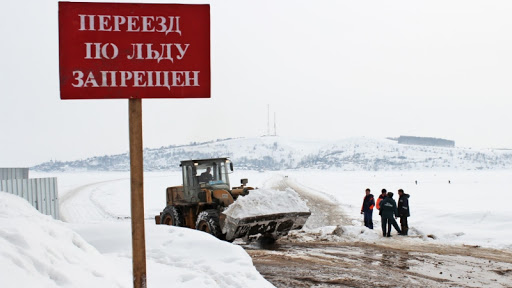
x: 325, y: 210
x: 76, y: 206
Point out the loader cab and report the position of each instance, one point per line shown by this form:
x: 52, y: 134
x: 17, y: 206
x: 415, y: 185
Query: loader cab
x: 205, y: 174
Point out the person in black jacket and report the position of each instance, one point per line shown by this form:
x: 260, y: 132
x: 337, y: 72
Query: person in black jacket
x: 206, y: 176
x: 403, y: 210
x: 367, y: 209
x: 388, y: 211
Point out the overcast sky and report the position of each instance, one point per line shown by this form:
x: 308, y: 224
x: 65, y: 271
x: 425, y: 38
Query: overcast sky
x: 328, y: 69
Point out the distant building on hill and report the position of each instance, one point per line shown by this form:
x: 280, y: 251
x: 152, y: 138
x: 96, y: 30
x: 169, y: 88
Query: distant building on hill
x: 425, y: 141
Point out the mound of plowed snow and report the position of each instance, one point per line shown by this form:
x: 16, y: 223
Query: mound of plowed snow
x: 265, y: 202
x: 38, y: 251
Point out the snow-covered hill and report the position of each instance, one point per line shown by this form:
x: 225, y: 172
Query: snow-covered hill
x: 278, y: 153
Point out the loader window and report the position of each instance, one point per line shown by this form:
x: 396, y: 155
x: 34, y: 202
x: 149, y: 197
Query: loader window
x: 205, y: 175
x: 189, y: 177
x: 223, y: 173
x: 215, y: 171
x: 220, y: 175
x: 185, y: 176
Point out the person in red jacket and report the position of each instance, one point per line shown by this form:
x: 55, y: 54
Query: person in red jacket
x: 367, y: 209
x: 382, y: 196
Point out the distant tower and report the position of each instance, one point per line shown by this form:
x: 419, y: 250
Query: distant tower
x: 275, y: 126
x: 268, y: 119
x: 268, y: 123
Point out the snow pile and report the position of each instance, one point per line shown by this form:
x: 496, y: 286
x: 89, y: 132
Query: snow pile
x: 38, y: 251
x: 190, y: 258
x: 176, y: 256
x: 266, y: 201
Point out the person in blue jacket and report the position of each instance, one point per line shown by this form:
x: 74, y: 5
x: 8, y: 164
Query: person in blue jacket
x: 388, y: 212
x: 367, y: 209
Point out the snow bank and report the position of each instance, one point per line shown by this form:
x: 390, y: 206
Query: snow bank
x: 37, y: 251
x: 266, y: 201
x: 189, y: 258
x: 176, y: 256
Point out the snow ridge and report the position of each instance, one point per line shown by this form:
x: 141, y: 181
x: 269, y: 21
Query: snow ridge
x: 278, y: 153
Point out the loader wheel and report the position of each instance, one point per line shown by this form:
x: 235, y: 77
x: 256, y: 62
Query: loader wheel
x: 208, y: 221
x: 267, y: 240
x: 172, y: 216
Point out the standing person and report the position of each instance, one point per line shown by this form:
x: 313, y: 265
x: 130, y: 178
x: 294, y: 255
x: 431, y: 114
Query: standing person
x: 388, y: 210
x: 403, y: 210
x: 367, y: 209
x: 382, y: 196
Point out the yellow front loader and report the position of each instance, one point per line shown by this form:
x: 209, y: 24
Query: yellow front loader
x: 206, y: 193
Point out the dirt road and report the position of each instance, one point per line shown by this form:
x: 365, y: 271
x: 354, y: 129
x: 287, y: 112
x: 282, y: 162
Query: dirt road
x: 343, y: 264
x: 313, y: 259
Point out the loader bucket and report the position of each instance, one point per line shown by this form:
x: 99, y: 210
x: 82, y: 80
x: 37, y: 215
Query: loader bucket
x: 273, y: 225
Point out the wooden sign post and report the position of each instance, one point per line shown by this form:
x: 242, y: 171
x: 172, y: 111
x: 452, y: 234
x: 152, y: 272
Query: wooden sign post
x: 134, y: 51
x: 137, y: 193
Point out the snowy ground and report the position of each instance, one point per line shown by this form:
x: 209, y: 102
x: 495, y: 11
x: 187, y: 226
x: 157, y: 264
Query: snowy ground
x: 346, y: 254
x: 473, y: 209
